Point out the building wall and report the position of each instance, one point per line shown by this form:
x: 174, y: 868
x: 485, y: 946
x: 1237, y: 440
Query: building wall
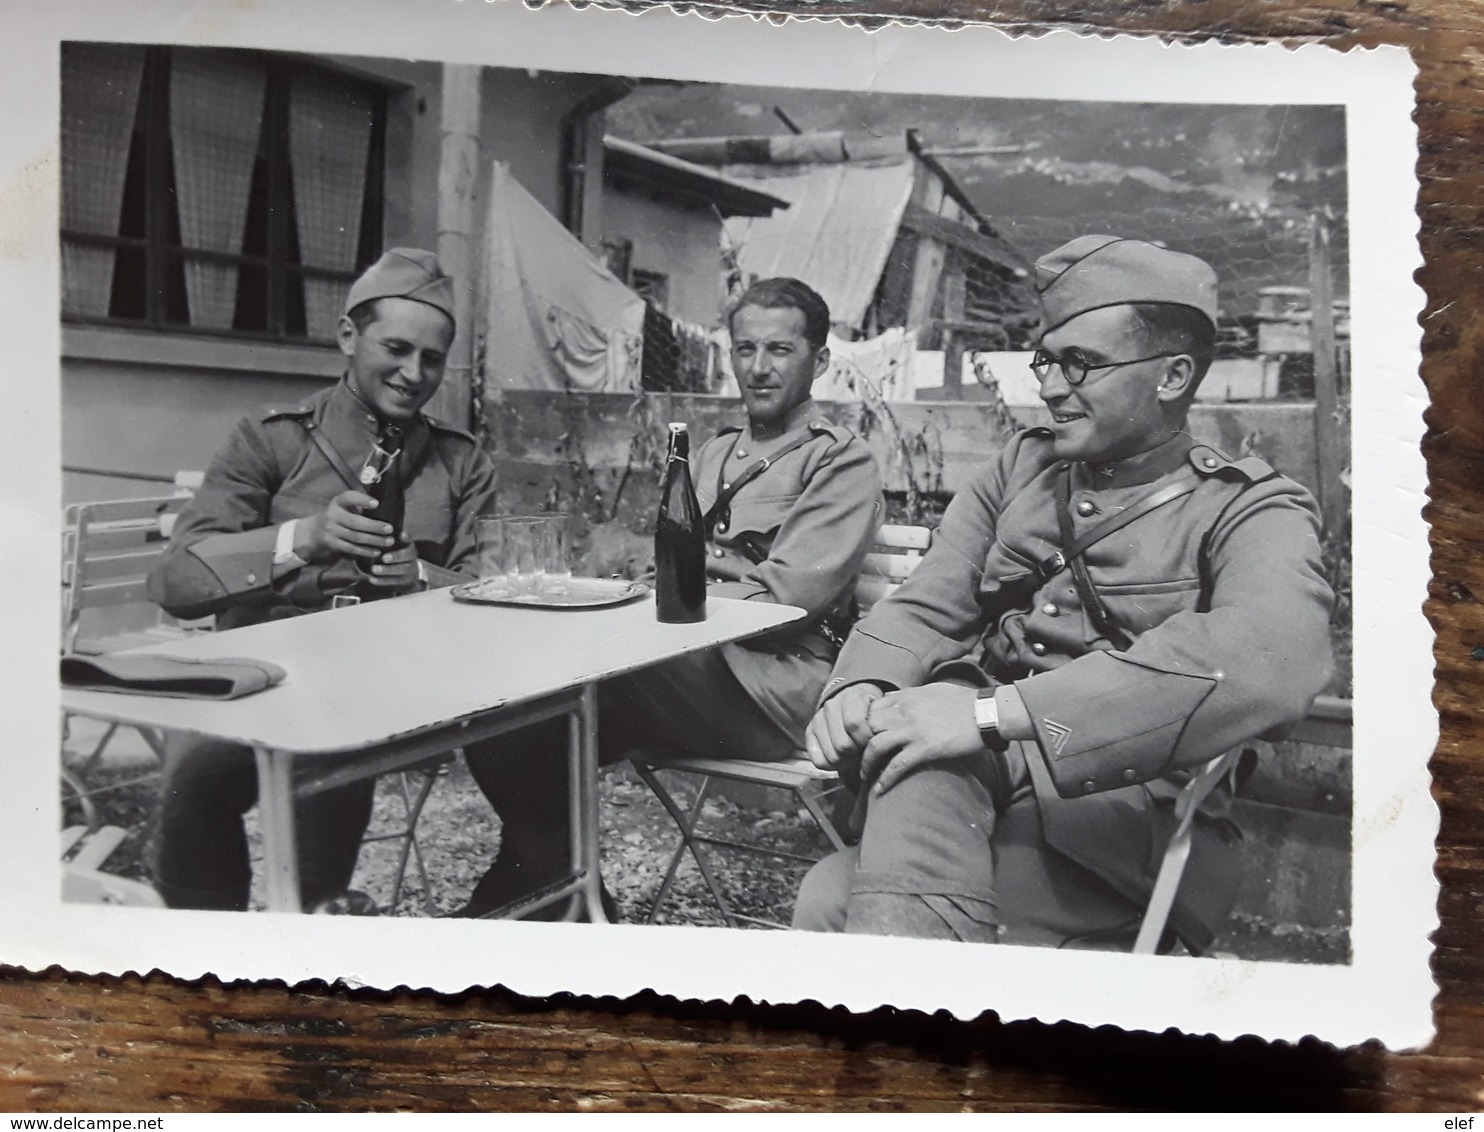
x: 682, y: 241
x: 151, y: 403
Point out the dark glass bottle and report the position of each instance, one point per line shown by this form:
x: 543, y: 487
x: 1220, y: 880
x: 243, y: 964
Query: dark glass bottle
x: 382, y: 478
x: 679, y: 539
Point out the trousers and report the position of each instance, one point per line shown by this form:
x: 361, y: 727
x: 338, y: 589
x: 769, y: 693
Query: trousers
x: 199, y: 854
x: 693, y: 703
x: 940, y: 859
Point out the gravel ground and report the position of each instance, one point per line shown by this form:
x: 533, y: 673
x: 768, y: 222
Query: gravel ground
x: 459, y: 836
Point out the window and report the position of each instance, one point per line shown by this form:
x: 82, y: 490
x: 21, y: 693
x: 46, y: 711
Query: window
x: 216, y: 191
x: 651, y: 286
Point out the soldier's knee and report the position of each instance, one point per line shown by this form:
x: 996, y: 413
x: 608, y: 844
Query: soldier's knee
x: 825, y: 892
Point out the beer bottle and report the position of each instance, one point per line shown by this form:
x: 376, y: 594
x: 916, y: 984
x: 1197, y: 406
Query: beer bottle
x: 679, y: 539
x: 381, y: 476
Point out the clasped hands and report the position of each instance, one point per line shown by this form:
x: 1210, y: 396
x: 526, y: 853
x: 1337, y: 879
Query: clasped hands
x: 894, y: 733
x: 342, y: 531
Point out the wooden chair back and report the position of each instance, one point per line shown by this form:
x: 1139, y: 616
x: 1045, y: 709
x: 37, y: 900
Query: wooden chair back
x: 895, y: 554
x: 108, y: 549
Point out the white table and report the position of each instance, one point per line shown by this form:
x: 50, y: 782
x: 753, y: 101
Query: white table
x: 395, y: 682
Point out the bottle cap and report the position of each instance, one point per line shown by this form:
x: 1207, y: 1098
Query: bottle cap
x: 679, y: 426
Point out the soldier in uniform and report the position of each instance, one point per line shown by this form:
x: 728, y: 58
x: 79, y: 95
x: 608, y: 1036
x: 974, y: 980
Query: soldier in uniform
x: 279, y: 528
x: 793, y: 503
x: 1106, y: 607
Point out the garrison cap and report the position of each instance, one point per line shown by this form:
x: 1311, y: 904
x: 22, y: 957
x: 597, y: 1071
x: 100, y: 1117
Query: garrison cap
x: 404, y: 273
x: 1106, y: 271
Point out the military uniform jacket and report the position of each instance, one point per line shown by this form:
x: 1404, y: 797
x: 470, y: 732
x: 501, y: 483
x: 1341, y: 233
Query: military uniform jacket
x: 220, y: 558
x: 797, y: 534
x: 1221, y: 592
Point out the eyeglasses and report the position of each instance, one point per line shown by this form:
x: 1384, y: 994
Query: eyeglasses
x: 1075, y: 368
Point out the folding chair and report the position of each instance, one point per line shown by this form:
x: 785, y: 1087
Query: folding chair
x: 108, y: 549
x: 413, y: 787
x: 1328, y: 723
x: 896, y: 553
x: 83, y: 881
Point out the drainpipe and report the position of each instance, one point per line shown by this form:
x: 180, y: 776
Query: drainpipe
x: 458, y: 174
x: 582, y: 160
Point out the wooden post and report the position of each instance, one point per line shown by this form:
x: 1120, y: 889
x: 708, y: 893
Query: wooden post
x: 458, y: 178
x: 955, y: 284
x: 1330, y: 437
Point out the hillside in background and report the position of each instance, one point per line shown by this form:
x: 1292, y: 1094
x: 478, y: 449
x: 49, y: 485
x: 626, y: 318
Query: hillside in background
x: 1234, y: 184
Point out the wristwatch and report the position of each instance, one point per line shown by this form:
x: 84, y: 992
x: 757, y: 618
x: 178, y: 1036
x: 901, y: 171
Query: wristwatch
x: 987, y: 719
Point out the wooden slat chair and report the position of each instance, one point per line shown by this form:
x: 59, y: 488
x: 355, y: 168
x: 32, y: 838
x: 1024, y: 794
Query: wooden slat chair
x: 1327, y: 724
x: 108, y: 549
x: 83, y: 880
x: 896, y: 553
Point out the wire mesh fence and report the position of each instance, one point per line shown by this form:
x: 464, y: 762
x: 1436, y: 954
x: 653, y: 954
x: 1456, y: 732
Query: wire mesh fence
x: 679, y: 357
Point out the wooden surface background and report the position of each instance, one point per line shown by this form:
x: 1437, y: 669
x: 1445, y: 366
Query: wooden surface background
x: 76, y: 1044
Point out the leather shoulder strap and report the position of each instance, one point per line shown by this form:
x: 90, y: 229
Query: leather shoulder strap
x: 720, y: 514
x: 1073, y: 547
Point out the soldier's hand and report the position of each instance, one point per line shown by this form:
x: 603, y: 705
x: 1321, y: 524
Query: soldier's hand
x: 916, y: 727
x: 396, y: 569
x: 341, y: 531
x: 841, y: 729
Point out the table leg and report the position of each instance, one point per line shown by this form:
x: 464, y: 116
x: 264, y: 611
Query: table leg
x: 276, y: 819
x: 582, y: 763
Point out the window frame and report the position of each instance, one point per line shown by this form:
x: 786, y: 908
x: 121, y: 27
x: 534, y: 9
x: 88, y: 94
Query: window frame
x: 161, y: 243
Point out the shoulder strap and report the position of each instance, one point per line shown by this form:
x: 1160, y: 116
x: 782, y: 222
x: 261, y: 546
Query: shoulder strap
x: 413, y: 454
x: 331, y: 454
x: 720, y: 514
x: 1203, y: 555
x: 1071, y: 554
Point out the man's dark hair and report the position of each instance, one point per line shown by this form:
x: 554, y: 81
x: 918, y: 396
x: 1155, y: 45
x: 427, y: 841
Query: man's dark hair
x: 364, y: 314
x: 1177, y: 329
x: 784, y: 293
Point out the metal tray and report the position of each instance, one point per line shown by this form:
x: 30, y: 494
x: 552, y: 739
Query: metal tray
x: 582, y: 593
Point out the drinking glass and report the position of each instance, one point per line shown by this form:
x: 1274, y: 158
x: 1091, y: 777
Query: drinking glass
x: 558, y: 562
x: 525, y: 553
x: 494, y: 581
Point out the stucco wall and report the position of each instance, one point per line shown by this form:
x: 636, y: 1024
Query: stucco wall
x: 679, y: 240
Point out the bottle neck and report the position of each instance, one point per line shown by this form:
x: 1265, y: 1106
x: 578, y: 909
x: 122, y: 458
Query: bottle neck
x: 679, y: 447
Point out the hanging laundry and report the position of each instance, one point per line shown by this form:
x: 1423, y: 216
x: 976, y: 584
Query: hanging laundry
x: 874, y: 369
x: 556, y: 318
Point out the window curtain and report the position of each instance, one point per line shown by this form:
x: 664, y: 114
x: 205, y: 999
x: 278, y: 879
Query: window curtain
x: 216, y: 116
x: 100, y: 96
x: 329, y: 137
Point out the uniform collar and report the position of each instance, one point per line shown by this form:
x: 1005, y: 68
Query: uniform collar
x: 795, y: 419
x: 345, y: 410
x: 1144, y: 468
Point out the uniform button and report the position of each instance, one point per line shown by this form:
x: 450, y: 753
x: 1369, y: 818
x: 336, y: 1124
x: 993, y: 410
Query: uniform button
x: 1071, y: 592
x: 251, y: 578
x: 1051, y: 609
x: 1130, y: 775
x: 720, y: 553
x: 741, y: 452
x: 1208, y: 461
x: 1087, y: 507
x: 726, y: 487
x: 1038, y: 647
x: 1089, y: 786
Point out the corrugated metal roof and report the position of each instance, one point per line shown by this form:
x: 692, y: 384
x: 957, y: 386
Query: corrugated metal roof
x: 688, y: 180
x: 837, y: 234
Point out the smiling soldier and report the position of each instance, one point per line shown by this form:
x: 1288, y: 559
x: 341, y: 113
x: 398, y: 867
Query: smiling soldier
x: 280, y: 527
x: 792, y: 504
x: 1105, y: 607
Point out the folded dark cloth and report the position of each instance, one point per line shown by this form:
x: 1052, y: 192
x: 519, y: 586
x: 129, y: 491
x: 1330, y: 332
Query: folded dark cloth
x: 152, y: 674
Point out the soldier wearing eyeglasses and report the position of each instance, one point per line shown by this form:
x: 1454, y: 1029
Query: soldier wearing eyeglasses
x: 1106, y: 607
